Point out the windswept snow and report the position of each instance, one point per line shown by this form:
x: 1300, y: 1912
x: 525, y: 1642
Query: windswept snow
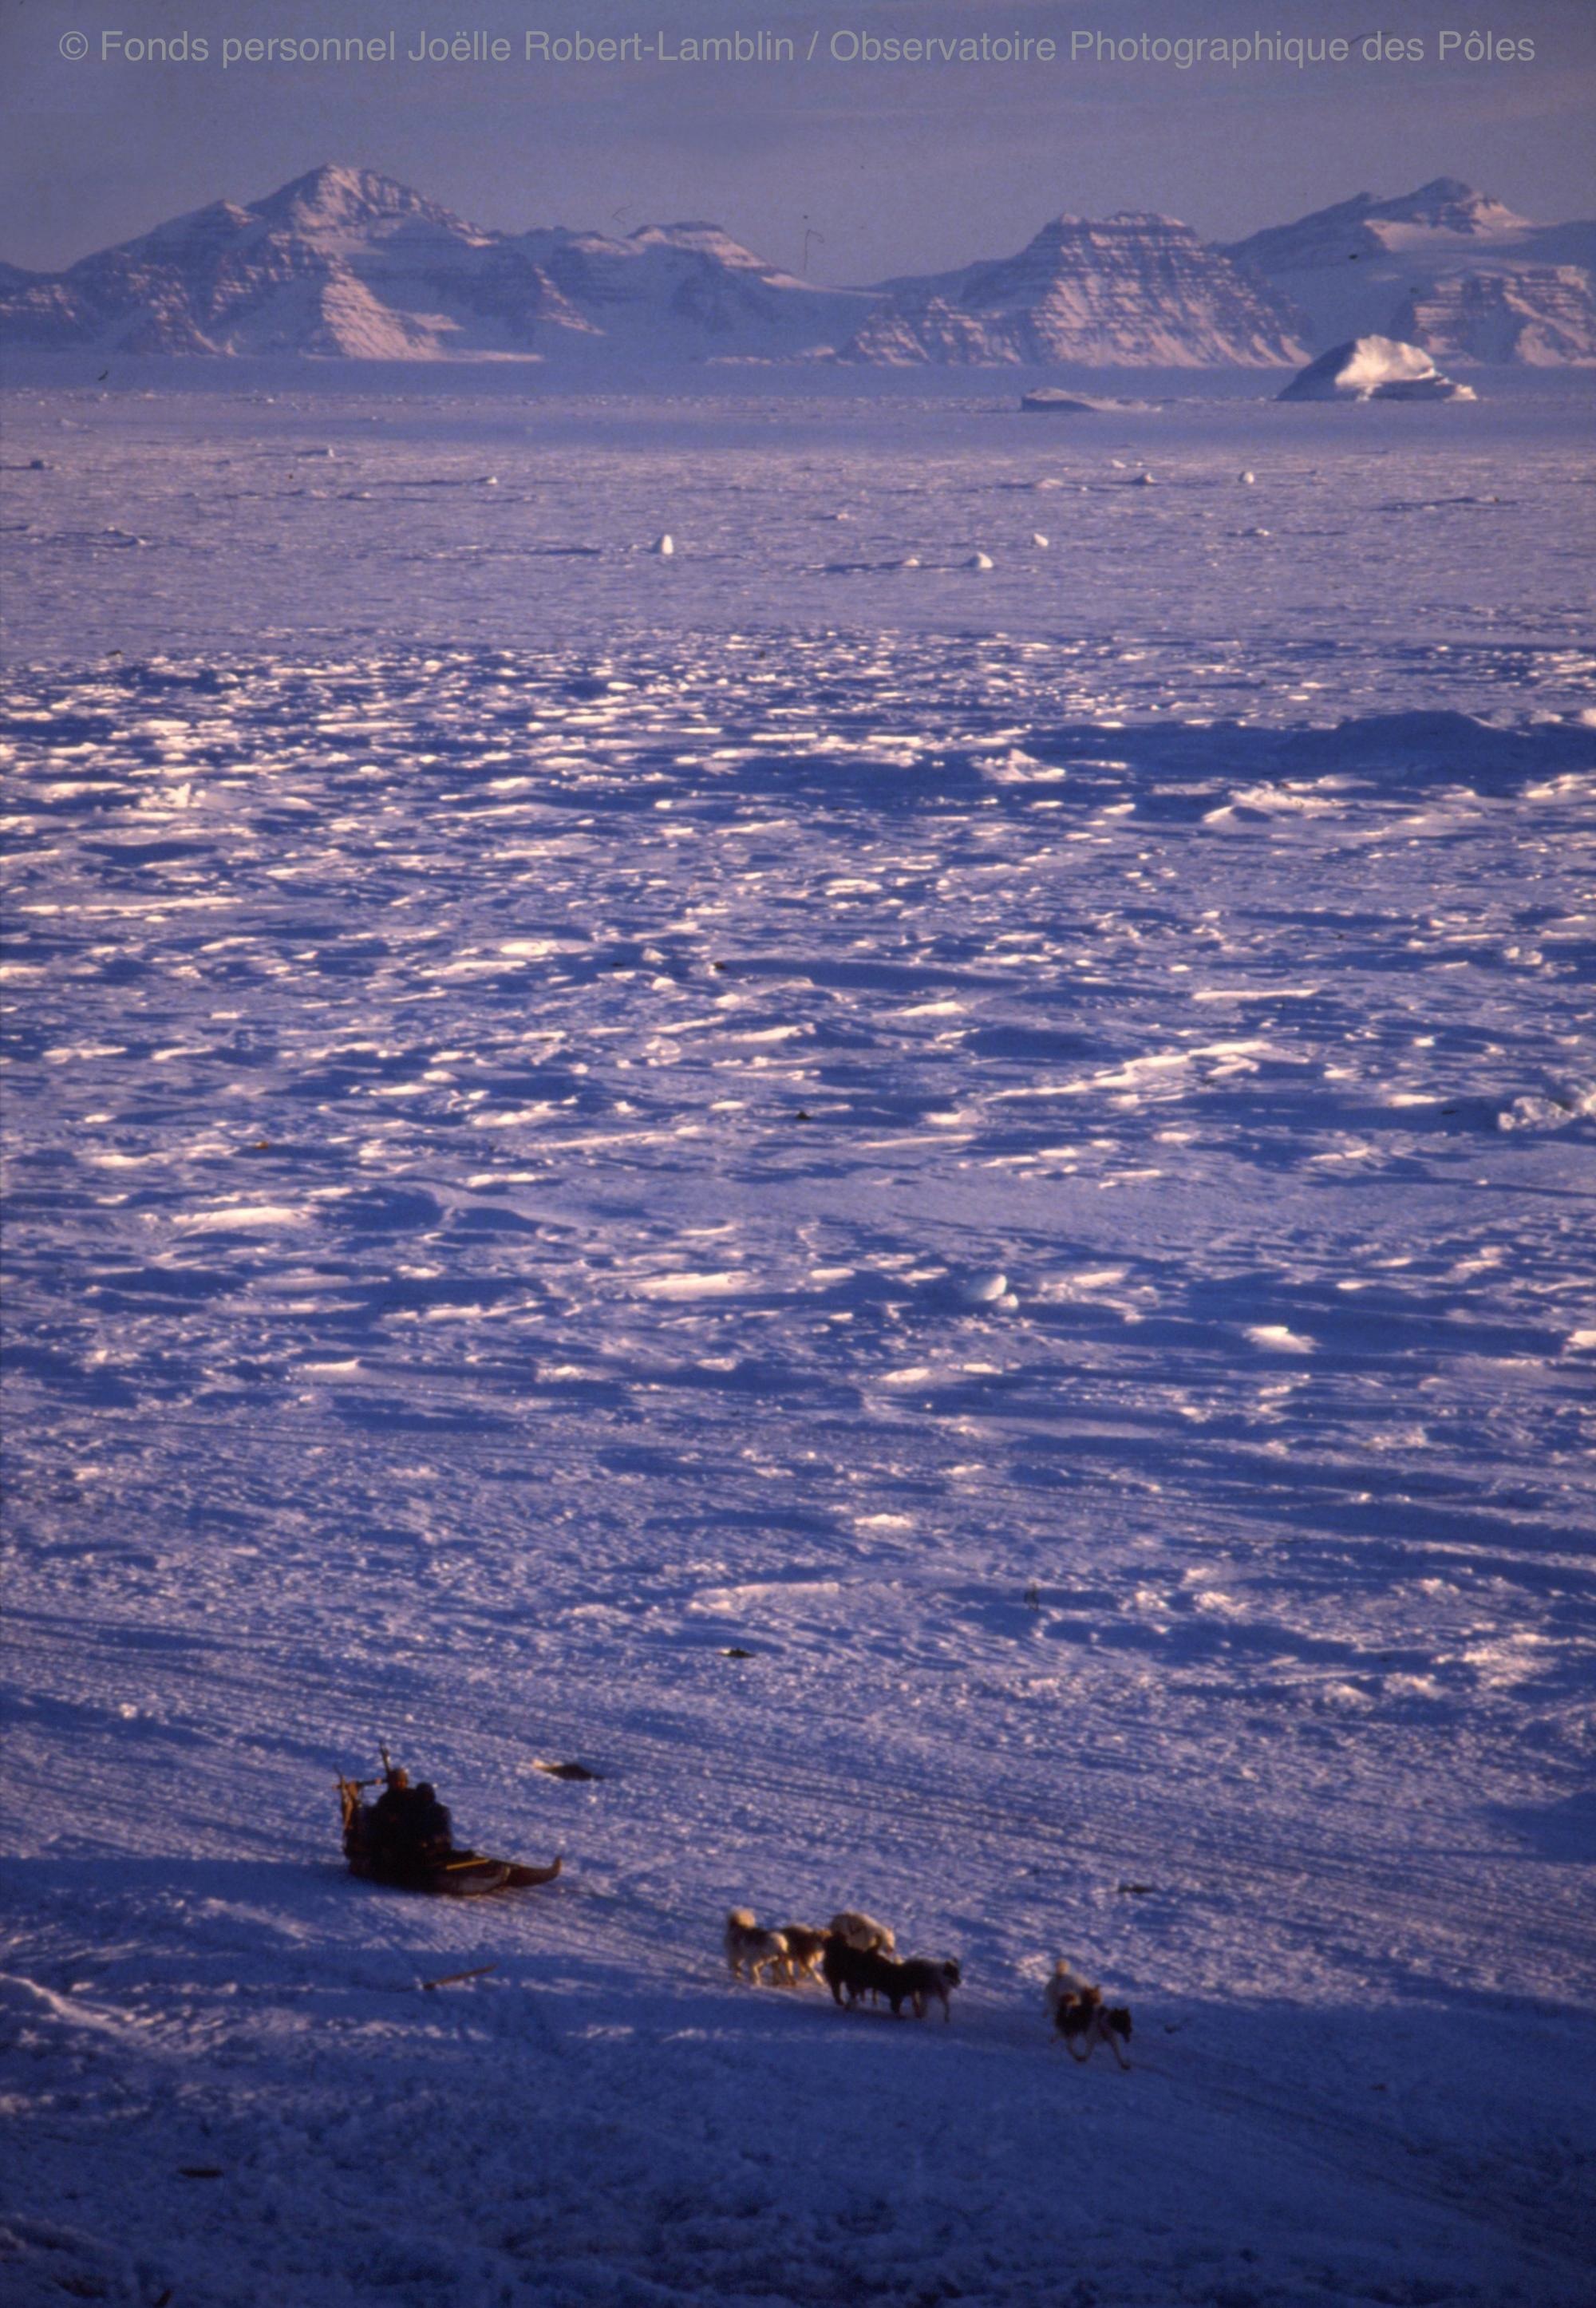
x: 942, y: 1228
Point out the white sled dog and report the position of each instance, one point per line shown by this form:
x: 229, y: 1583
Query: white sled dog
x: 749, y: 1948
x: 863, y: 1932
x: 1064, y: 1985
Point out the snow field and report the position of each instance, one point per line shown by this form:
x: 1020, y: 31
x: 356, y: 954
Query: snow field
x: 299, y: 520
x: 1034, y: 1182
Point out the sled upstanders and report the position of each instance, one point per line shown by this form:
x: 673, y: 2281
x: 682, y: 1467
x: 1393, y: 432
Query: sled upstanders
x: 455, y: 1874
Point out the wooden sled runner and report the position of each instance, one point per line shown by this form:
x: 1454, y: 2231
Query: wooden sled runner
x: 448, y: 1875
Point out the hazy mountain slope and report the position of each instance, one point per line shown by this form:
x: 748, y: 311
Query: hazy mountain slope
x: 1447, y: 267
x: 343, y: 262
x: 1127, y: 290
x: 1544, y: 316
x: 339, y: 261
x: 690, y: 288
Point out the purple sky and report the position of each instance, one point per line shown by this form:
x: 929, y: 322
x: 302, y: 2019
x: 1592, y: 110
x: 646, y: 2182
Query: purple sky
x: 871, y: 169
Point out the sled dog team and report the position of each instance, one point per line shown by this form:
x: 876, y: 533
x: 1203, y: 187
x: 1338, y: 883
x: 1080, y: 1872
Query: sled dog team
x: 855, y: 1956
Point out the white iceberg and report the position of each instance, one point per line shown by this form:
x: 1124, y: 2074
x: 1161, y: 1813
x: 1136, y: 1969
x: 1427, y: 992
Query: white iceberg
x: 1374, y: 368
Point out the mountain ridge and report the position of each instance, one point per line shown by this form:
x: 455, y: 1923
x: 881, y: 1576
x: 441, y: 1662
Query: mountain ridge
x: 344, y: 262
x: 1135, y: 289
x: 1444, y: 267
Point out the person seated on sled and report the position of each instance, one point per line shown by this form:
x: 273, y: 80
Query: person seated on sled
x: 409, y: 1825
x: 432, y: 1827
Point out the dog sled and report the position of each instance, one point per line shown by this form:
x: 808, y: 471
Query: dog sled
x: 403, y: 1840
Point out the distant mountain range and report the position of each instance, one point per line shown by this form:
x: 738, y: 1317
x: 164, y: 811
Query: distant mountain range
x: 346, y: 263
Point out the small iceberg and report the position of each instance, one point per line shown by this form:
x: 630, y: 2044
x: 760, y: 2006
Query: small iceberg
x: 663, y: 545
x: 1048, y: 400
x: 1374, y: 368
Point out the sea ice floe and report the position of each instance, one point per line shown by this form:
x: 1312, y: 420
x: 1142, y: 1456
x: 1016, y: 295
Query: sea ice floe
x: 1553, y: 1110
x: 1277, y: 1338
x: 695, y: 1286
x: 982, y: 1289
x: 1051, y: 399
x: 244, y: 1216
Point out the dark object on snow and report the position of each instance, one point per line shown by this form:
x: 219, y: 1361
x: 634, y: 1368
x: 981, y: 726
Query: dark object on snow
x: 405, y: 1839
x: 568, y: 1771
x: 862, y: 1971
x: 409, y: 1827
x: 1085, y: 2021
x: 921, y: 1979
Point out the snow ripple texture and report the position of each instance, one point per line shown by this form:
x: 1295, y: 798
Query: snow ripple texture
x: 976, y: 1295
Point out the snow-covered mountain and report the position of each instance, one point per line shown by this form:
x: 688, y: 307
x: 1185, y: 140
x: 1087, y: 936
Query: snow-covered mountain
x: 1544, y: 316
x: 1444, y: 267
x: 1129, y: 290
x: 339, y: 261
x: 689, y: 290
x: 345, y: 261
